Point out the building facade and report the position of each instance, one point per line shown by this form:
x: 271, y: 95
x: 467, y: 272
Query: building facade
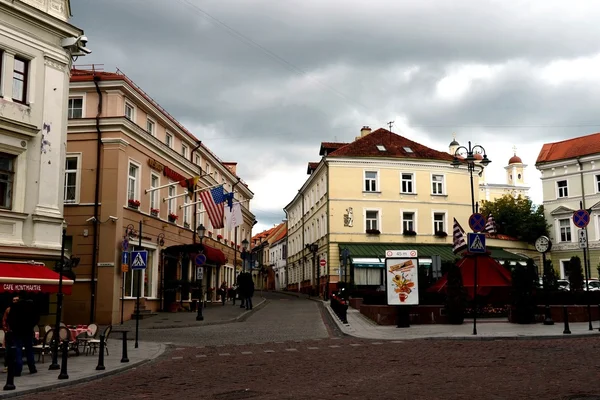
x: 278, y: 256
x: 121, y: 147
x: 380, y: 192
x: 570, y: 181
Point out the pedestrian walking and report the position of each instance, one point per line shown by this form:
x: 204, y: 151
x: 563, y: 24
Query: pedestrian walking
x: 247, y: 289
x: 240, y: 282
x: 22, y: 318
x: 7, y: 332
x: 223, y: 292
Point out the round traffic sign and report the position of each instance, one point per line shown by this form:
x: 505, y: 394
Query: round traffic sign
x: 581, y: 218
x: 477, y: 222
x: 200, y: 259
x: 323, y: 262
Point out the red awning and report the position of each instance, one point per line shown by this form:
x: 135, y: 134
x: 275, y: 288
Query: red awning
x: 35, y: 278
x: 214, y: 256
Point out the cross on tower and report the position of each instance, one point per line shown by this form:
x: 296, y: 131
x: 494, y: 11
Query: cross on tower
x: 515, y: 150
x: 454, y: 135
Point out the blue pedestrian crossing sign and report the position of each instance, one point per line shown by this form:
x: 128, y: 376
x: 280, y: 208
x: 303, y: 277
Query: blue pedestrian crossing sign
x: 125, y: 258
x: 476, y: 242
x: 581, y: 218
x: 139, y: 259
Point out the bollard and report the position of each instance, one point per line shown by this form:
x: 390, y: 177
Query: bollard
x: 124, y: 358
x: 65, y: 355
x: 10, y: 376
x: 548, y: 316
x: 100, y: 366
x: 566, y: 316
x: 599, y: 314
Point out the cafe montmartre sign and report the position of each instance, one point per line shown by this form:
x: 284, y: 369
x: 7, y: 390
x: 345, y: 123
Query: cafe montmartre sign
x: 166, y: 171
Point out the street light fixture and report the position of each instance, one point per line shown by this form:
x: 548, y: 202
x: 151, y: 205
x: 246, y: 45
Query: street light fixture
x: 201, y: 230
x: 471, y: 160
x: 59, y: 303
x: 244, y: 254
x: 313, y: 248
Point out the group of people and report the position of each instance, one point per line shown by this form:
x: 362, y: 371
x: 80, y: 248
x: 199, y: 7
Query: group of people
x: 18, y: 323
x: 243, y: 289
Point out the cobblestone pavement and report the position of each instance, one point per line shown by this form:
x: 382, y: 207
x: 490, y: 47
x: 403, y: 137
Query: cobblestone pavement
x: 350, y: 368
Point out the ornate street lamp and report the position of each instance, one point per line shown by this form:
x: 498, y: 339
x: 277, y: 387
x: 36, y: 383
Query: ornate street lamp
x: 313, y: 248
x: 244, y: 253
x: 200, y: 230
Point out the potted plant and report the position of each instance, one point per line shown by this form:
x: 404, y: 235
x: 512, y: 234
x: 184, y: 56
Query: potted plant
x: 186, y: 224
x: 219, y: 237
x: 209, y: 234
x: 409, y: 233
x: 132, y: 203
x: 373, y: 232
x: 225, y: 241
x: 154, y: 212
x: 173, y: 217
x: 441, y: 234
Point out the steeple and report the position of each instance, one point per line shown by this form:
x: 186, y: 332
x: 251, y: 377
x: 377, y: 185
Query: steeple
x: 453, y: 145
x: 515, y: 170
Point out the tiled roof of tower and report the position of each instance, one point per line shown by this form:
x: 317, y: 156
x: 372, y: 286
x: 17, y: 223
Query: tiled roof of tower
x: 571, y: 148
x: 311, y: 167
x: 329, y: 146
x: 383, y: 143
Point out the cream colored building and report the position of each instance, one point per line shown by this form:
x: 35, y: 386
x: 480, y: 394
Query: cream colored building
x: 381, y: 191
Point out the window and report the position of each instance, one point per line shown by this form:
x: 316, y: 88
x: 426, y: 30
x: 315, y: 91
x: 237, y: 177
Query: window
x: 368, y: 276
x: 169, y: 140
x: 598, y: 183
x: 197, y: 160
x: 70, y: 194
x: 148, y: 276
x: 370, y: 181
x: 565, y: 229
x: 132, y: 191
x: 172, y: 192
x: 372, y: 220
x: 7, y: 172
x: 184, y: 150
x: 408, y: 221
x: 187, y: 215
x: 154, y: 182
x: 564, y: 269
x: 408, y: 149
x: 381, y: 147
x: 150, y: 126
x: 207, y: 168
x: 437, y: 184
x: 407, y: 183
x: 563, y: 189
x: 19, y: 93
x: 129, y: 111
x: 439, y: 222
x: 76, y: 107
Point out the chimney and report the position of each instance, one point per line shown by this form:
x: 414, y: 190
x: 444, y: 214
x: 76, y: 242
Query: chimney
x: 232, y: 166
x: 365, y: 130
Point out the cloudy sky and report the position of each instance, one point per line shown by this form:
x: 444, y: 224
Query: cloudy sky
x: 263, y: 82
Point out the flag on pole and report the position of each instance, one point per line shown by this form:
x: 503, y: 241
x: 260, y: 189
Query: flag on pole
x: 190, y: 184
x: 233, y: 217
x: 490, y: 226
x: 213, y: 201
x: 460, y: 243
x: 229, y: 198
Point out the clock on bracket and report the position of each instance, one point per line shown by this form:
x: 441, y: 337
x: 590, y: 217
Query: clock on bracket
x: 543, y: 244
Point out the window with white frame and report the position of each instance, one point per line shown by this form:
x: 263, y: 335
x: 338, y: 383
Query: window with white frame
x: 75, y: 107
x: 154, y: 182
x: 148, y: 276
x: 171, y: 202
x: 150, y: 127
x: 71, y: 179
x: 129, y: 111
x: 564, y: 225
x: 408, y: 184
x: 184, y: 150
x: 318, y: 229
x: 562, y: 188
x: 408, y: 221
x: 7, y: 178
x: 372, y: 220
x: 132, y: 182
x: 598, y: 183
x: 564, y: 269
x: 20, y: 80
x: 207, y: 168
x: 439, y: 222
x: 197, y: 159
x: 187, y: 214
x: 370, y: 181
x: 437, y: 184
x: 169, y: 140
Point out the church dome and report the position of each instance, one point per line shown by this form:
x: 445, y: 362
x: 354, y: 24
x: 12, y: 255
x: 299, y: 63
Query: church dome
x: 515, y: 160
x: 454, y: 143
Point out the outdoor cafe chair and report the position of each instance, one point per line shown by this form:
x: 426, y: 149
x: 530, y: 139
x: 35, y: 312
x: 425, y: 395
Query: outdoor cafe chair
x: 84, y: 338
x: 93, y: 344
x: 47, y: 328
x: 45, y: 346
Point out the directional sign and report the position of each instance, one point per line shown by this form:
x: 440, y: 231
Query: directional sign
x: 477, y: 222
x: 125, y: 258
x: 581, y: 218
x: 200, y: 259
x: 582, y: 238
x: 476, y: 242
x: 139, y: 259
x: 199, y: 273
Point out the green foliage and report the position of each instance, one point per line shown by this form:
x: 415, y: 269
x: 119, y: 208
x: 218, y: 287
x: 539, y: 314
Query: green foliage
x: 524, y: 282
x: 575, y: 274
x: 550, y: 278
x: 456, y: 296
x: 516, y: 217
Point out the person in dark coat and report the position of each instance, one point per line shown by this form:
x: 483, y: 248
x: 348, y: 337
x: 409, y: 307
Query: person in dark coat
x: 240, y: 282
x: 247, y: 289
x: 22, y: 317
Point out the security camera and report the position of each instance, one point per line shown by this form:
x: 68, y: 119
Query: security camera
x: 83, y: 40
x: 91, y: 219
x: 113, y: 219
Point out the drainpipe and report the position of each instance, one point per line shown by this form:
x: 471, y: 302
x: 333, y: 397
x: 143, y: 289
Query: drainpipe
x: 588, y: 268
x: 287, y: 246
x: 235, y: 230
x: 195, y: 194
x: 328, y: 228
x: 96, y: 201
x: 303, y: 244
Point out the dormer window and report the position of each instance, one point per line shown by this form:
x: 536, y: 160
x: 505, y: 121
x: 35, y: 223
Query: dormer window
x: 381, y: 147
x: 407, y: 149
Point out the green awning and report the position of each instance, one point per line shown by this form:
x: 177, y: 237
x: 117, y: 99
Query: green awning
x: 377, y: 250
x: 367, y: 262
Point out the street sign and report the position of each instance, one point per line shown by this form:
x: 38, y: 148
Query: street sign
x: 401, y: 253
x: 582, y: 238
x: 477, y: 222
x: 125, y: 244
x: 199, y: 273
x: 323, y: 262
x: 476, y: 242
x: 200, y: 259
x: 125, y: 258
x: 140, y: 259
x: 124, y: 268
x: 581, y: 218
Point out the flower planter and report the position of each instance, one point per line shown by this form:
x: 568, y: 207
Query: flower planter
x: 186, y: 225
x: 133, y: 207
x: 409, y: 233
x: 154, y: 213
x: 173, y: 220
x: 373, y: 232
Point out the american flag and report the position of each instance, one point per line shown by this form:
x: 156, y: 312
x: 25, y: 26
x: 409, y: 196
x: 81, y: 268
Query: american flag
x: 460, y: 243
x: 213, y: 201
x: 490, y: 226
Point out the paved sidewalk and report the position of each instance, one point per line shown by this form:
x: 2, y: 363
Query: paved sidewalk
x: 82, y: 368
x: 214, y: 314
x: 361, y: 327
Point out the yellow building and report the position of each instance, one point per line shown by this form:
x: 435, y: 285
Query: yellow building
x: 382, y: 191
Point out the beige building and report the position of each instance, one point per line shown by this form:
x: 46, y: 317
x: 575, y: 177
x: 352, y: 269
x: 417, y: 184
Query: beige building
x: 121, y: 144
x: 381, y: 191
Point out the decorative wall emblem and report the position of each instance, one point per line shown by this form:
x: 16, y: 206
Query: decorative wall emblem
x: 45, y: 144
x: 349, y: 217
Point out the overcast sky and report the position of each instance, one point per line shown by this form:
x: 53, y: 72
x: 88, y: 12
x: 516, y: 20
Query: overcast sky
x: 263, y: 82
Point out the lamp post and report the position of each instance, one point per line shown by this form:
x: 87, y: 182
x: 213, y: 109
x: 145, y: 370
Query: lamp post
x: 201, y: 230
x: 313, y: 247
x: 59, y: 301
x: 471, y: 160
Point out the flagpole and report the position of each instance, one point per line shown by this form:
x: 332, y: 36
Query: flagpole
x: 200, y: 201
x: 152, y: 189
x: 187, y: 193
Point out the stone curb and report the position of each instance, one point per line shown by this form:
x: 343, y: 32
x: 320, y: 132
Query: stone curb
x: 194, y: 325
x: 347, y: 330
x: 100, y: 375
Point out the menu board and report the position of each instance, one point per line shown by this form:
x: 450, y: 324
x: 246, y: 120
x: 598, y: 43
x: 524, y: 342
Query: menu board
x: 402, y: 277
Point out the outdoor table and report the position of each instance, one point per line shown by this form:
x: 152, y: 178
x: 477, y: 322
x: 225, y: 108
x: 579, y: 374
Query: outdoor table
x: 78, y: 330
x: 124, y: 332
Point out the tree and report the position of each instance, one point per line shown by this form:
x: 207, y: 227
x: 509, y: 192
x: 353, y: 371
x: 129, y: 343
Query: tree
x: 575, y: 274
x: 517, y: 217
x: 550, y: 278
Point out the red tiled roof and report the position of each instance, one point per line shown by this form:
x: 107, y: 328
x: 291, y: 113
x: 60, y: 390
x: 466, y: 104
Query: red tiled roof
x: 311, y: 167
x: 329, y: 146
x: 280, y: 235
x: 500, y: 237
x: 571, y: 148
x: 394, y: 145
